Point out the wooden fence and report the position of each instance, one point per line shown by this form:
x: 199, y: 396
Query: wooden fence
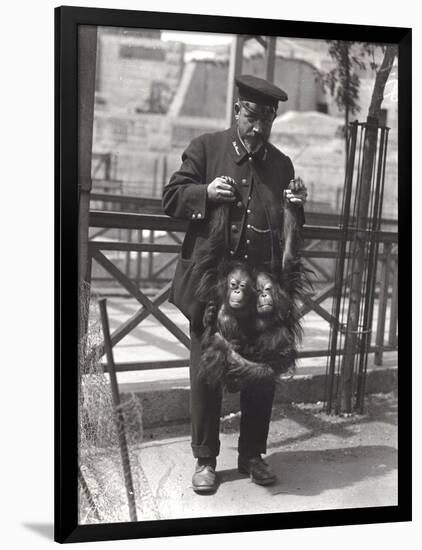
x: 142, y: 269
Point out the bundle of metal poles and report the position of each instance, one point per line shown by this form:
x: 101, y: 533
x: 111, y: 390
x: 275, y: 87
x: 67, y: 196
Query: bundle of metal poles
x: 356, y: 267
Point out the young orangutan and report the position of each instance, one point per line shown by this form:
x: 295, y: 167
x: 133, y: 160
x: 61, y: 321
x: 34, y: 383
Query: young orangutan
x: 252, y: 342
x: 275, y: 337
x: 228, y: 326
x: 262, y: 349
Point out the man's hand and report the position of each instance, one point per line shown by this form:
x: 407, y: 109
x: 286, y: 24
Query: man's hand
x: 221, y: 189
x: 296, y: 193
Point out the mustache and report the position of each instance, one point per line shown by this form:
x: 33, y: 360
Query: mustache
x: 254, y: 134
x: 254, y: 137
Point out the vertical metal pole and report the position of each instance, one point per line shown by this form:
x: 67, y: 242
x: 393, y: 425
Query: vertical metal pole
x: 358, y: 254
x: 341, y: 262
x: 87, y: 53
x: 164, y: 176
x: 151, y: 257
x: 107, y: 166
x: 120, y: 421
x: 155, y: 177
x: 235, y: 68
x: 128, y: 253
x: 392, y: 330
x: 372, y: 262
x: 270, y: 58
x: 382, y: 307
x: 87, y: 50
x: 339, y: 194
x: 139, y: 260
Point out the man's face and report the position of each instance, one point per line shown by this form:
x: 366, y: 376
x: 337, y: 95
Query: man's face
x: 254, y: 124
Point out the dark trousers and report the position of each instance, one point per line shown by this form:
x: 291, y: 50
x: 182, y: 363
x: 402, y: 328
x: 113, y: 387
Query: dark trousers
x: 256, y: 403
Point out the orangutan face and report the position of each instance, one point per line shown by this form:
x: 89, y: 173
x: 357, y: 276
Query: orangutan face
x: 265, y: 291
x: 239, y: 289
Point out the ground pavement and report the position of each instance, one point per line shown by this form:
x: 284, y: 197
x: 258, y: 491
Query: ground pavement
x: 322, y: 462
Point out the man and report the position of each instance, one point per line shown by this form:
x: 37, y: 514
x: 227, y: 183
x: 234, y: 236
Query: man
x: 237, y: 166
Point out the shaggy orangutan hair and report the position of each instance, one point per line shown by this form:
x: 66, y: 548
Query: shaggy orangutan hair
x: 258, y: 341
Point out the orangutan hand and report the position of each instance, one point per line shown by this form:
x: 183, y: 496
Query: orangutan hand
x: 296, y: 193
x: 210, y: 315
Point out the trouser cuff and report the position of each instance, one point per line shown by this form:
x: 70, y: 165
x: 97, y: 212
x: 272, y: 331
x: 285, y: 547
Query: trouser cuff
x: 203, y: 451
x: 250, y: 452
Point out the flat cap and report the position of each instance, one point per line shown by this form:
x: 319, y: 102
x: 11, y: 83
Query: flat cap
x: 258, y: 90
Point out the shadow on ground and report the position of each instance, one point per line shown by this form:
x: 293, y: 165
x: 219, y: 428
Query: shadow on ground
x: 321, y: 462
x: 310, y: 473
x: 379, y: 408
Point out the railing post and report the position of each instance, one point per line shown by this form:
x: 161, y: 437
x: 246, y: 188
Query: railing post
x: 155, y: 178
x: 119, y: 416
x: 235, y: 68
x: 164, y: 173
x: 151, y: 257
x: 139, y: 260
x: 382, y: 303
x: 107, y: 166
x: 127, y: 265
x: 87, y: 51
x: 270, y: 58
x: 392, y: 331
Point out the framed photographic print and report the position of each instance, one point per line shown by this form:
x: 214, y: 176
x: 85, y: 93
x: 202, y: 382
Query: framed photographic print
x: 227, y: 274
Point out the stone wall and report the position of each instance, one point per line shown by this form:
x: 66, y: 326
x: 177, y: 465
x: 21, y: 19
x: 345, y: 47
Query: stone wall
x: 134, y: 71
x: 147, y: 150
x: 206, y: 95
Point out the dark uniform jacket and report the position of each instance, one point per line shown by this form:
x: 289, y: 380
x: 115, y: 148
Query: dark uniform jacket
x: 255, y: 218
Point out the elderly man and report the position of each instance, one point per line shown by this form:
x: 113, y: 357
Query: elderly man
x: 212, y: 165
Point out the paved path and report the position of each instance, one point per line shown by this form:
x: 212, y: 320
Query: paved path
x: 322, y: 463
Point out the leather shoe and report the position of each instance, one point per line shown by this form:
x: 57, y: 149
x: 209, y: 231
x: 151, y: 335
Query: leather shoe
x: 257, y: 469
x: 204, y: 479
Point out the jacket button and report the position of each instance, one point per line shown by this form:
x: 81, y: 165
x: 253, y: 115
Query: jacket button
x: 245, y: 256
x: 244, y: 182
x: 235, y: 229
x: 248, y: 211
x: 193, y: 216
x: 199, y: 215
x: 231, y: 252
x: 248, y: 226
x: 239, y: 204
x: 248, y: 241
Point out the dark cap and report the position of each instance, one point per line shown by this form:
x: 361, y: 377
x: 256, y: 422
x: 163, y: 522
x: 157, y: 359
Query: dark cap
x: 258, y: 90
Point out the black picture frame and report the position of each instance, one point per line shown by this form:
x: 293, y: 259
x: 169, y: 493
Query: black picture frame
x: 67, y: 20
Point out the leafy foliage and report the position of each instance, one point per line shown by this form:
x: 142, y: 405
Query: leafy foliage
x: 351, y: 59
